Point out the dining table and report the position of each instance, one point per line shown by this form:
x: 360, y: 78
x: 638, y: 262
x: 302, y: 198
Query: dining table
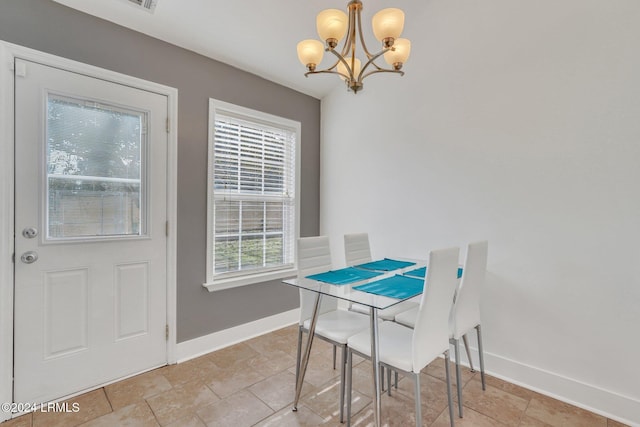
x: 377, y: 285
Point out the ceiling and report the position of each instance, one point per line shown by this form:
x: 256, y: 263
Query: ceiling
x: 258, y: 36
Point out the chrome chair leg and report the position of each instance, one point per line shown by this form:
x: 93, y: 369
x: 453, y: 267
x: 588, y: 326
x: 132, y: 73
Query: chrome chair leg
x: 299, y: 355
x: 389, y: 381
x: 481, y: 354
x: 447, y: 369
x: 456, y: 347
x: 416, y: 382
x: 334, y: 356
x: 466, y: 347
x: 348, y: 385
x: 342, y: 375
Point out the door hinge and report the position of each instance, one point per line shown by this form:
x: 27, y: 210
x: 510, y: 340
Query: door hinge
x: 168, y: 125
x: 166, y: 332
x: 166, y: 228
x: 20, y: 69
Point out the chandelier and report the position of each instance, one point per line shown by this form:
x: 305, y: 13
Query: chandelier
x: 333, y: 24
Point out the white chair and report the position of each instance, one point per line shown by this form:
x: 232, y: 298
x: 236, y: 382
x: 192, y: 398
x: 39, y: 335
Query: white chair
x: 357, y: 251
x: 333, y: 325
x: 465, y: 314
x: 410, y: 350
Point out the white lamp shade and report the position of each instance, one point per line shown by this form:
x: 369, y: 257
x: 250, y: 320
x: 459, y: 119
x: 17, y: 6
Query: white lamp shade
x: 388, y: 23
x: 400, y: 54
x: 310, y: 52
x: 356, y: 68
x: 331, y: 24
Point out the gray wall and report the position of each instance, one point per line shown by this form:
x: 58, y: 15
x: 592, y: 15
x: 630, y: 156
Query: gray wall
x: 56, y: 29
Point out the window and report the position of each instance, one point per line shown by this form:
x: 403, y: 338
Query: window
x: 96, y: 160
x: 253, y: 196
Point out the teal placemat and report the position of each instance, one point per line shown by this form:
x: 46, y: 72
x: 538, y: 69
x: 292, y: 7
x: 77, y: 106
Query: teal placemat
x: 421, y: 272
x: 386, y: 265
x: 395, y: 287
x: 344, y: 276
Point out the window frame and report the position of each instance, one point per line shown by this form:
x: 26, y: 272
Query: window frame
x: 236, y: 279
x: 143, y: 182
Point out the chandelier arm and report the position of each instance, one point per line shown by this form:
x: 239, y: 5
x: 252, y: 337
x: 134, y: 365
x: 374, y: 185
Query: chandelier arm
x: 364, y: 45
x: 350, y: 77
x: 326, y: 71
x: 371, y: 60
x: 335, y: 64
x: 348, y: 41
x: 383, y: 70
x: 377, y: 67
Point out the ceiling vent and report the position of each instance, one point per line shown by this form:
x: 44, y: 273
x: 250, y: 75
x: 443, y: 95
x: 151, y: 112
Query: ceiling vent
x: 148, y: 5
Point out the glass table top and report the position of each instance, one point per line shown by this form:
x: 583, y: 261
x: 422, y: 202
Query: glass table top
x: 348, y: 293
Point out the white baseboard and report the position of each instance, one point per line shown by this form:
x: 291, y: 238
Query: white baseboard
x: 198, y: 346
x: 607, y: 403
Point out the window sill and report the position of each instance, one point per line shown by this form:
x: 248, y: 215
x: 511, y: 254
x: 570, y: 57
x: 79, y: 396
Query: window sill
x: 235, y: 282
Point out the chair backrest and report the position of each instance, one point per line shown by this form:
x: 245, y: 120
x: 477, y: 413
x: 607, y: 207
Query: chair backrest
x: 465, y: 314
x: 314, y: 256
x: 356, y: 249
x: 431, y: 331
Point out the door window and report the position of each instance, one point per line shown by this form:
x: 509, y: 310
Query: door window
x: 95, y: 166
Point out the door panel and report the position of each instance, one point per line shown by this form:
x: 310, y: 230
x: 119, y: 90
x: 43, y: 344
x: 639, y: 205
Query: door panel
x: 132, y: 300
x: 66, y: 312
x: 90, y: 271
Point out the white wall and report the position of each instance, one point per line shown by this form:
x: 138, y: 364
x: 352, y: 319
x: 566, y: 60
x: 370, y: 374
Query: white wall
x: 518, y: 122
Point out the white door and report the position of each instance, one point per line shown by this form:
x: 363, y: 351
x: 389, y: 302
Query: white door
x: 90, y: 239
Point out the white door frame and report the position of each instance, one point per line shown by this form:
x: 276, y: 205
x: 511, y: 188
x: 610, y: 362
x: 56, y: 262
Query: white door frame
x: 8, y: 52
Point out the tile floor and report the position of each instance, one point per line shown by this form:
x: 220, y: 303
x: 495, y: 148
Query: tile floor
x: 252, y: 384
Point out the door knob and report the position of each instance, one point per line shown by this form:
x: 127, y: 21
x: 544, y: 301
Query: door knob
x: 29, y: 257
x: 30, y: 232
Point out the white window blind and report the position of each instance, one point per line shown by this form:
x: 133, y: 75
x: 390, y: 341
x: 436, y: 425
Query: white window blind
x: 253, y: 180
